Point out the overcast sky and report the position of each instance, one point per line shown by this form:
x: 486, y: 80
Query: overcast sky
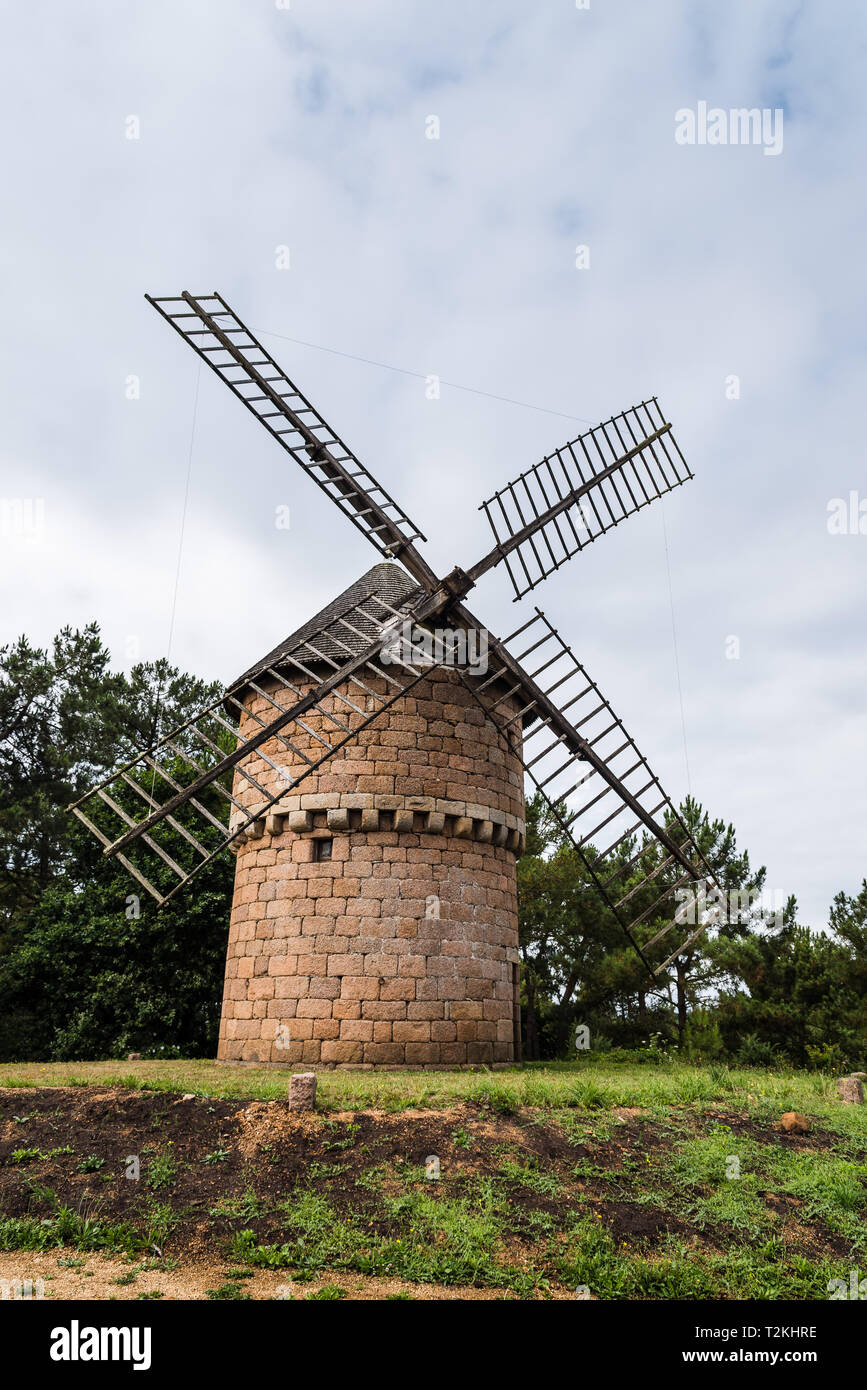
x: 263, y: 127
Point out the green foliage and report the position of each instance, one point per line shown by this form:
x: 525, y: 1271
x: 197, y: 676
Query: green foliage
x: 91, y: 1164
x: 759, y: 988
x: 703, y: 1040
x: 72, y: 1229
x: 87, y: 967
x: 795, y: 993
x: 19, y: 1156
x: 162, y: 1170
x: 754, y: 1052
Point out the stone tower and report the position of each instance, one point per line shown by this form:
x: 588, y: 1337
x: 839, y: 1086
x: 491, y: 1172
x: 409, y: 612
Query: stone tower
x: 374, y: 919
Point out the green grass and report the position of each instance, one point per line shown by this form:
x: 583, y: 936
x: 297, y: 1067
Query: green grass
x: 585, y: 1084
x: 162, y: 1170
x: 593, y: 1259
x: 71, y: 1228
x: 748, y: 1215
x: 444, y: 1241
x: 227, y: 1292
x: 245, y: 1206
x: 824, y: 1186
x: 22, y: 1156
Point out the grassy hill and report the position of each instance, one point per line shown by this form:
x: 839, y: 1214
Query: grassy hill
x: 621, y: 1180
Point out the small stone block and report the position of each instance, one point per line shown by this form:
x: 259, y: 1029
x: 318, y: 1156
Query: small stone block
x: 435, y: 823
x: 302, y: 1091
x: 463, y: 828
x: 370, y: 820
x: 403, y: 821
x: 850, y: 1090
x: 337, y: 819
x: 501, y: 835
x: 513, y: 841
x: 299, y: 820
x: 485, y: 831
x: 274, y: 824
x: 256, y: 828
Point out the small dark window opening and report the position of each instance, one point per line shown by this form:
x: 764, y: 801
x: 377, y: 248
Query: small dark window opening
x: 321, y: 849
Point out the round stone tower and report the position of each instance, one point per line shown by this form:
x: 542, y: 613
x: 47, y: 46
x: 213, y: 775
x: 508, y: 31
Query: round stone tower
x: 374, y: 920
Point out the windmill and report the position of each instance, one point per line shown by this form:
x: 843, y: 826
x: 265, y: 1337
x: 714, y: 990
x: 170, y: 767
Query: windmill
x: 368, y: 772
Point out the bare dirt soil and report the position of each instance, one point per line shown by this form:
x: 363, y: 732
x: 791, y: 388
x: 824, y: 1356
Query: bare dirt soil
x: 207, y: 1168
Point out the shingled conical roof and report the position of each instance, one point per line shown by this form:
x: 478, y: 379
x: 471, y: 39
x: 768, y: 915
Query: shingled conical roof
x: 387, y: 581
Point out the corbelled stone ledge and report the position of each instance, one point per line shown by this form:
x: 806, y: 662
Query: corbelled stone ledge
x: 367, y: 812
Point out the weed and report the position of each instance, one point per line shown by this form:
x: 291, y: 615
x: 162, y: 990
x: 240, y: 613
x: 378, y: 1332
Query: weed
x: 162, y: 1170
x: 91, y: 1164
x: 21, y: 1156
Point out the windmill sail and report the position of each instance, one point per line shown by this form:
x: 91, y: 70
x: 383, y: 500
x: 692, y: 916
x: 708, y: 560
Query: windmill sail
x: 582, y: 490
x: 173, y: 807
x: 601, y: 789
x: 211, y: 782
x: 228, y: 347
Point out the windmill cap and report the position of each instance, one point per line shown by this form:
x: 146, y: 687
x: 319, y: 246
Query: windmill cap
x: 331, y: 637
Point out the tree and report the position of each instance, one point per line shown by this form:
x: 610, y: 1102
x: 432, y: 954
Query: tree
x: 96, y: 971
x: 577, y: 964
x: 557, y: 910
x: 794, y: 993
x: 66, y: 720
x: 696, y: 971
x: 86, y: 966
x: 848, y: 922
x: 576, y: 958
x: 60, y: 723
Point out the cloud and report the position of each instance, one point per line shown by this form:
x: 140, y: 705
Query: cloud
x: 262, y: 127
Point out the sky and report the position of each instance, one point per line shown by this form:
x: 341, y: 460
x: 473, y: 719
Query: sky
x: 283, y: 155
